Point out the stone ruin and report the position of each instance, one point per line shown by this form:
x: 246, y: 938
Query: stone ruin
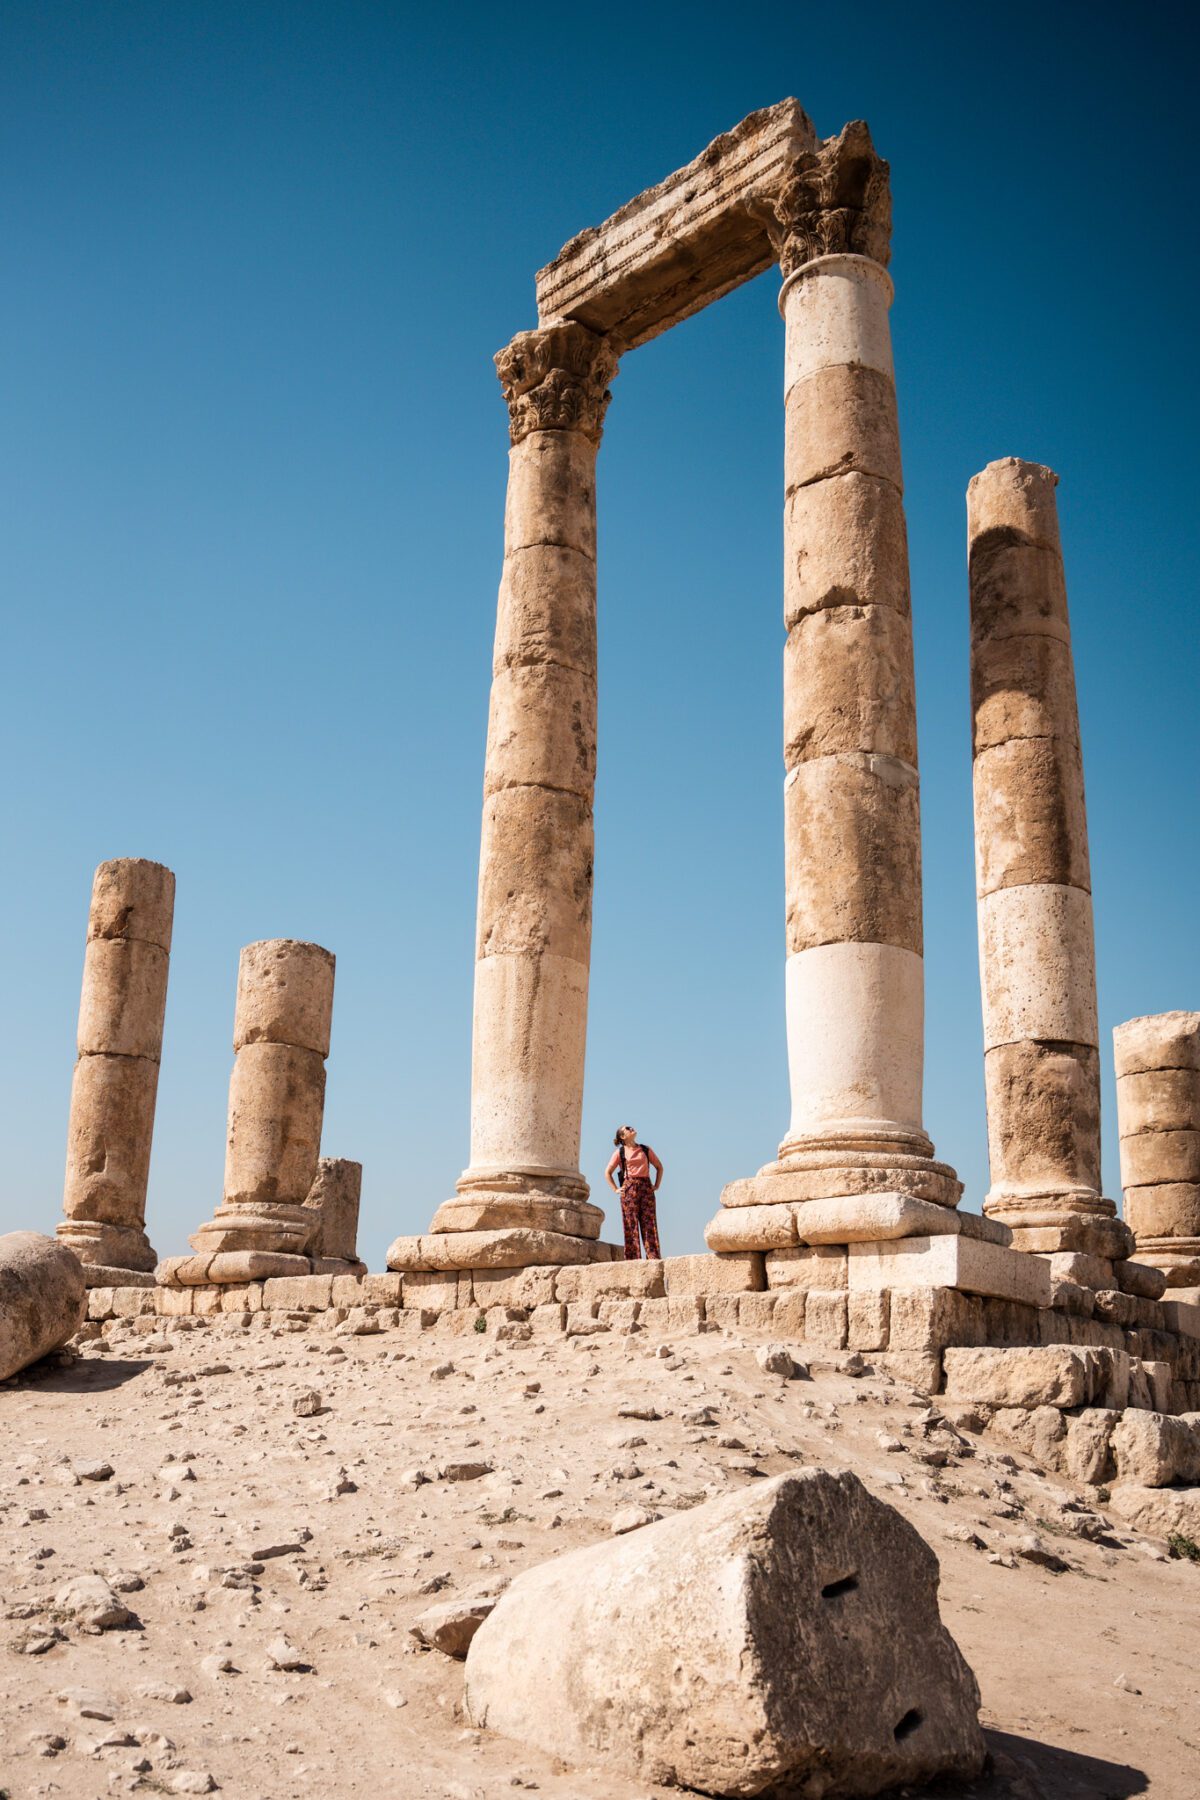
x: 851, y: 1236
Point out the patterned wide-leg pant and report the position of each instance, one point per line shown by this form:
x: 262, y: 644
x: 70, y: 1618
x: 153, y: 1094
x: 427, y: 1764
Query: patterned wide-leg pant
x: 637, y: 1214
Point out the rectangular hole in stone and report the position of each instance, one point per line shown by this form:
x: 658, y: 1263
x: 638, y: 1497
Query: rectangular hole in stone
x: 846, y: 1585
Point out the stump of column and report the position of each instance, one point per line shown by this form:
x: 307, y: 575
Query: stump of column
x: 1033, y: 878
x: 115, y: 1085
x: 333, y: 1200
x: 276, y: 1099
x: 854, y: 974
x: 523, y: 1186
x: 1158, y: 1119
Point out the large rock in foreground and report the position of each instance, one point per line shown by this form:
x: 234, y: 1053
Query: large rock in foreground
x: 785, y: 1638
x: 42, y: 1298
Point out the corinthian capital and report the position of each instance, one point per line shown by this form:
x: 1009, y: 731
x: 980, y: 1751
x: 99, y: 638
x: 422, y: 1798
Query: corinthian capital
x: 556, y: 379
x: 835, y: 200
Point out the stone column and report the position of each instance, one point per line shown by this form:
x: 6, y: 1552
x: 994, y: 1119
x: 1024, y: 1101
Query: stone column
x: 852, y: 836
x: 333, y: 1202
x: 1033, y: 880
x: 1158, y: 1118
x: 115, y: 1085
x: 276, y: 1098
x: 535, y: 875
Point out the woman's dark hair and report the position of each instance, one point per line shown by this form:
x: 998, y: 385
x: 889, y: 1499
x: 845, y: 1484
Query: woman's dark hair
x: 617, y: 1135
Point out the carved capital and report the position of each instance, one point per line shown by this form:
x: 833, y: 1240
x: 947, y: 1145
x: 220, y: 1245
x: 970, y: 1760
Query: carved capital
x: 835, y: 200
x: 556, y: 379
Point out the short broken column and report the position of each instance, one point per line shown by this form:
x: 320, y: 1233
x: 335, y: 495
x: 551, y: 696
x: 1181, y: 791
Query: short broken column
x: 1158, y: 1119
x: 115, y: 1084
x: 276, y: 1099
x: 852, y: 833
x: 524, y: 1189
x: 333, y: 1201
x: 1033, y: 878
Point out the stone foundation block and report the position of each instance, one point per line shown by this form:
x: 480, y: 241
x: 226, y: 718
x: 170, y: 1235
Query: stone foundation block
x: 807, y: 1266
x: 346, y: 1290
x: 1180, y: 1316
x: 99, y: 1303
x: 302, y: 1293
x: 738, y: 1274
x: 919, y: 1369
x: 548, y: 1320
x: 1159, y: 1512
x: 518, y: 1287
x: 132, y: 1302
x: 960, y: 1262
x: 206, y: 1300
x: 685, y: 1312
x: 1127, y: 1310
x: 789, y: 1315
x: 751, y: 1228
x: 621, y: 1315
x: 442, y: 1292
x: 1084, y: 1271
x: 867, y: 1320
x: 722, y: 1310
x: 1109, y: 1238
x: 1141, y: 1279
x: 867, y: 1218
x: 383, y: 1290
x: 1088, y: 1452
x: 922, y: 1319
x: 643, y: 1279
x: 173, y: 1302
x: 1151, y: 1450
x: 825, y: 1319
x: 1032, y: 1376
x: 756, y: 1312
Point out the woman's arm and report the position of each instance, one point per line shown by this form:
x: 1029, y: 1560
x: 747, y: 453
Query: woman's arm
x: 655, y: 1164
x: 613, y: 1160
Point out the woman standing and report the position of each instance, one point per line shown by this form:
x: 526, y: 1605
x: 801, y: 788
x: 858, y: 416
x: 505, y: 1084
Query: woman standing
x: 632, y: 1162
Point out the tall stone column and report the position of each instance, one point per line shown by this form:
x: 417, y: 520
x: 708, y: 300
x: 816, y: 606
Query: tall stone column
x: 276, y: 1098
x: 852, y: 835
x: 1033, y: 878
x: 1158, y: 1118
x: 115, y: 1084
x: 535, y: 873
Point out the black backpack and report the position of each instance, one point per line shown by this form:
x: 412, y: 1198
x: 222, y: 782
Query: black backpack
x: 621, y: 1155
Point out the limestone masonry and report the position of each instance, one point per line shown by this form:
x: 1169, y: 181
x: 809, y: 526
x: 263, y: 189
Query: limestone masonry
x: 789, y: 1638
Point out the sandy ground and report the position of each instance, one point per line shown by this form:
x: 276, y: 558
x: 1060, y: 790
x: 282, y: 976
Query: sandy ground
x: 1088, y: 1675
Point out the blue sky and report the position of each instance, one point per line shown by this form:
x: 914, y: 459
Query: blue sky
x: 252, y: 464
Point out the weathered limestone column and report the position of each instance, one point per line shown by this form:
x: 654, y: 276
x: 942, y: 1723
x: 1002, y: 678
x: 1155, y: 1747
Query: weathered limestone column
x: 1158, y: 1118
x: 115, y: 1084
x: 535, y: 874
x: 332, y: 1203
x: 854, y: 976
x: 276, y: 1098
x: 1036, y: 949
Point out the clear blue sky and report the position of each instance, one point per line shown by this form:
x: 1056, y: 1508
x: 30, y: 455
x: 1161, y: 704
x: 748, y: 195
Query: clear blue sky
x: 252, y: 459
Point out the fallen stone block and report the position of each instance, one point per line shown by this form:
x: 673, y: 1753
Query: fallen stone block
x: 1142, y: 1279
x: 43, y: 1298
x: 783, y: 1637
x: 1153, y: 1450
x: 969, y: 1264
x: 751, y: 1228
x: 450, y: 1626
x: 1159, y: 1512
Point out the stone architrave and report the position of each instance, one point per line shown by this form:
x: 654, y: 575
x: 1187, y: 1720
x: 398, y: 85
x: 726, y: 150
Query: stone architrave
x: 276, y: 1098
x: 535, y: 873
x: 115, y: 1084
x: 334, y: 1200
x: 1033, y: 879
x: 1158, y: 1119
x: 854, y: 975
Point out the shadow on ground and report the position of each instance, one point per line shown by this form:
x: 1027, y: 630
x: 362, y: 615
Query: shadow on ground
x: 89, y: 1375
x: 1025, y: 1769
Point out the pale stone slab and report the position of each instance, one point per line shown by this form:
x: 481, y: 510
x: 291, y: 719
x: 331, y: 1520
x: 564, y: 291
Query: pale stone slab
x: 643, y: 1279
x: 751, y: 1228
x: 738, y: 1273
x: 513, y: 1249
x: 1061, y: 1375
x: 960, y: 1262
x: 683, y: 243
x: 811, y: 1266
x: 786, y: 1637
x: 864, y: 1218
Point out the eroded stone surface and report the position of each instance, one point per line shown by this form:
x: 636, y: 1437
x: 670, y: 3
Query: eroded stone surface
x: 42, y: 1298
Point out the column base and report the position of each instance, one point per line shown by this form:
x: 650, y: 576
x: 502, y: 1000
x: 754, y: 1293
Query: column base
x: 542, y: 1201
x: 111, y: 1248
x: 834, y: 1173
x: 1178, y: 1258
x: 858, y: 1189
x: 281, y: 1225
x: 504, y: 1249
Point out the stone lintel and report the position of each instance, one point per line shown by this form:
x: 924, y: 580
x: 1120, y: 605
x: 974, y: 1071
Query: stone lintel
x: 684, y: 242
